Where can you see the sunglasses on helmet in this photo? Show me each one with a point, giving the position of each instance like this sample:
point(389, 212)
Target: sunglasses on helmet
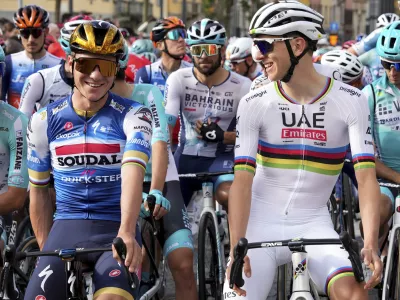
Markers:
point(35, 32)
point(387, 65)
point(266, 45)
point(175, 34)
point(209, 49)
point(87, 65)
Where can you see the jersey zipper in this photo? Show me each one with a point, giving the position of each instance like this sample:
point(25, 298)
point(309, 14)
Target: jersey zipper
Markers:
point(301, 169)
point(86, 168)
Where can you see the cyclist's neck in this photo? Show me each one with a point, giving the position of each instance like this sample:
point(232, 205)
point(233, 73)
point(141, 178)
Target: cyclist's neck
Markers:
point(305, 84)
point(37, 55)
point(218, 77)
point(169, 64)
point(81, 103)
point(123, 89)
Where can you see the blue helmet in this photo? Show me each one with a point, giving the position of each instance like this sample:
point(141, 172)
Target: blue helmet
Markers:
point(388, 45)
point(123, 62)
point(142, 46)
point(206, 31)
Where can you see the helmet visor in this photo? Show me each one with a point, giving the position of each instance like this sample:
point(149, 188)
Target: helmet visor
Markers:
point(86, 65)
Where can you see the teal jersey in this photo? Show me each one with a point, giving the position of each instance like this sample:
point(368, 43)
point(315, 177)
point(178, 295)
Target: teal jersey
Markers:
point(385, 120)
point(150, 96)
point(372, 61)
point(13, 148)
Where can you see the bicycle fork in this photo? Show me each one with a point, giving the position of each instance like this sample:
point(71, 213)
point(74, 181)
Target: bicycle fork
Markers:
point(209, 207)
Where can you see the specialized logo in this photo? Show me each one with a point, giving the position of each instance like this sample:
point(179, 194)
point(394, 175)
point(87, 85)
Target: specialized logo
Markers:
point(96, 125)
point(299, 133)
point(20, 145)
point(114, 273)
point(350, 91)
point(71, 282)
point(46, 273)
point(68, 126)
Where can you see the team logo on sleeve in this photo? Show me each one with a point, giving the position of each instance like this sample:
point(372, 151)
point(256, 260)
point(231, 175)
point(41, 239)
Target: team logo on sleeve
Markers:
point(144, 114)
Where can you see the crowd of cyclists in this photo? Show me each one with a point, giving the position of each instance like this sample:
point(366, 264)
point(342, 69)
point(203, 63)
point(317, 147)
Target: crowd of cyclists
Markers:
point(94, 120)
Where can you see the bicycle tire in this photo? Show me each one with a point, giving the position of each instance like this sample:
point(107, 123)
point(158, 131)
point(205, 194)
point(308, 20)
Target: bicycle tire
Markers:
point(281, 284)
point(23, 226)
point(334, 213)
point(395, 276)
point(208, 231)
point(28, 245)
point(348, 205)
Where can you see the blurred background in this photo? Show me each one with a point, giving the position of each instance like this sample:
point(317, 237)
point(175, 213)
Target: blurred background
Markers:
point(343, 18)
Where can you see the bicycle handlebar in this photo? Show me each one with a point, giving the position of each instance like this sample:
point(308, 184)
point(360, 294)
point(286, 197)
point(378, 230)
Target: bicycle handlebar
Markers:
point(151, 202)
point(240, 251)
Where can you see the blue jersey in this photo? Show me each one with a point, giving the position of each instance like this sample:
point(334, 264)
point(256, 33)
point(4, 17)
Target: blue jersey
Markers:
point(18, 67)
point(86, 154)
point(369, 42)
point(154, 74)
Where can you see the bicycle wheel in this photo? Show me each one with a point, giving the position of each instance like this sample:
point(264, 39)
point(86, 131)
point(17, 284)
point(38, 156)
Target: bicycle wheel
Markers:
point(334, 213)
point(284, 282)
point(394, 283)
point(348, 210)
point(26, 266)
point(24, 230)
point(208, 263)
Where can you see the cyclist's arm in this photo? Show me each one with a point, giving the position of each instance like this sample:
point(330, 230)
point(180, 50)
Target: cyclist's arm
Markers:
point(248, 125)
point(136, 156)
point(142, 76)
point(229, 137)
point(159, 141)
point(41, 206)
point(32, 92)
point(172, 98)
point(5, 83)
point(384, 172)
point(363, 159)
point(15, 196)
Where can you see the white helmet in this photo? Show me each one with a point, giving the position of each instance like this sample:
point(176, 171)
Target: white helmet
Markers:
point(323, 42)
point(386, 19)
point(348, 64)
point(283, 17)
point(240, 48)
point(66, 32)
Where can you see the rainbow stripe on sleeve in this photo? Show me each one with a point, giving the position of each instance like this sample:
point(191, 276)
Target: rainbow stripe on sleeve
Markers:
point(363, 161)
point(245, 163)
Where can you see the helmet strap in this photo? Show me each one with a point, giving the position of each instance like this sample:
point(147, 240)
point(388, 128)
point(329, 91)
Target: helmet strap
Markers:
point(176, 57)
point(293, 60)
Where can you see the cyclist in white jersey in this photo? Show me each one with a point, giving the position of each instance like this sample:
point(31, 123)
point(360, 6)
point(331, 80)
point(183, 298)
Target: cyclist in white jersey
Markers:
point(369, 42)
point(240, 58)
point(206, 99)
point(295, 144)
point(49, 85)
point(162, 181)
point(32, 22)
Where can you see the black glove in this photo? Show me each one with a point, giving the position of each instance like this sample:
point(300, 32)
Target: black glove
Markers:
point(212, 132)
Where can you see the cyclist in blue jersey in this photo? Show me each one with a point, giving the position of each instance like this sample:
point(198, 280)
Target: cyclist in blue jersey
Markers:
point(97, 145)
point(13, 163)
point(206, 99)
point(32, 22)
point(161, 180)
point(383, 95)
point(168, 35)
point(240, 58)
point(369, 42)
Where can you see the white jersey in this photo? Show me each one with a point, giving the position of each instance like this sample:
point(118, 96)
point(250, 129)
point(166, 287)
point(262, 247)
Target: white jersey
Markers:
point(192, 101)
point(44, 87)
point(327, 71)
point(297, 152)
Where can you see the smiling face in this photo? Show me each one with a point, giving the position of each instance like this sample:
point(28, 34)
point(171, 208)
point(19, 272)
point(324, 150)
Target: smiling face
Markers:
point(93, 86)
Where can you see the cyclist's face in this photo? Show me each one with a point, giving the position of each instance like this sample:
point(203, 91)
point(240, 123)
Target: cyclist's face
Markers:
point(89, 81)
point(393, 76)
point(207, 65)
point(177, 47)
point(240, 65)
point(32, 44)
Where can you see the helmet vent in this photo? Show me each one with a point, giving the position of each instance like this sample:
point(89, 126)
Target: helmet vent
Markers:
point(392, 42)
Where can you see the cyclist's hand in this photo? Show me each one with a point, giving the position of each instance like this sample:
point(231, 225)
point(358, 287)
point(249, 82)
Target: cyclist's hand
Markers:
point(163, 206)
point(373, 262)
point(246, 271)
point(209, 132)
point(144, 210)
point(133, 259)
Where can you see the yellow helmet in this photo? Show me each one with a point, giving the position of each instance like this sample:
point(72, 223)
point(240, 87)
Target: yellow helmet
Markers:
point(97, 37)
